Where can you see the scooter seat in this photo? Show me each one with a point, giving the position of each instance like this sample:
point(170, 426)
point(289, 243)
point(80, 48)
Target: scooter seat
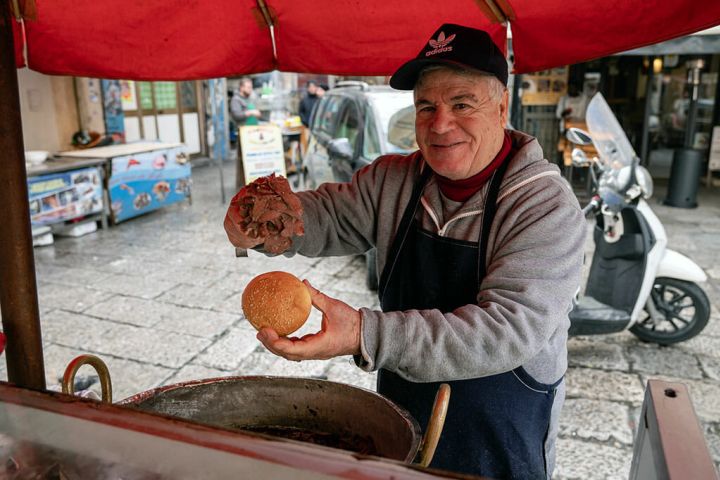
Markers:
point(590, 317)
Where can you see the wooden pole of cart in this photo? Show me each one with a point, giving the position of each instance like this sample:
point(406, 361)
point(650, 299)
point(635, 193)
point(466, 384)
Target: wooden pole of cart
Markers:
point(18, 290)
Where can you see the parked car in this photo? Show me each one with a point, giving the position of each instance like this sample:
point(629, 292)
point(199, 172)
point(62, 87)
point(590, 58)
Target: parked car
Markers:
point(349, 129)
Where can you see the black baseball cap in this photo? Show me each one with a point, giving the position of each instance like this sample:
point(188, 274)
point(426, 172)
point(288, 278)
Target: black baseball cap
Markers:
point(457, 45)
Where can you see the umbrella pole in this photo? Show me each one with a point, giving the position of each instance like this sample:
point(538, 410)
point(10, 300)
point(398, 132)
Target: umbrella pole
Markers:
point(18, 290)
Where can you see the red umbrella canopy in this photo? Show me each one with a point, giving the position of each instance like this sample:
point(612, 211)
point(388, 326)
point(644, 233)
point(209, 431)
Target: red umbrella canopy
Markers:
point(186, 39)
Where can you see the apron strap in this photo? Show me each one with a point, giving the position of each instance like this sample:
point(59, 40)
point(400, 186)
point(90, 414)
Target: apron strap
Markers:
point(404, 227)
point(489, 216)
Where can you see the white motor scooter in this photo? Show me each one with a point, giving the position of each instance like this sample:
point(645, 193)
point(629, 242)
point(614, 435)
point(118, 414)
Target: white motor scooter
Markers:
point(635, 282)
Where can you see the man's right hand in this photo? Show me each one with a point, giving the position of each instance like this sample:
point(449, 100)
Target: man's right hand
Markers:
point(264, 212)
point(233, 221)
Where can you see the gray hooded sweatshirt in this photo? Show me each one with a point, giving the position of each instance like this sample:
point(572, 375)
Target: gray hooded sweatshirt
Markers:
point(535, 252)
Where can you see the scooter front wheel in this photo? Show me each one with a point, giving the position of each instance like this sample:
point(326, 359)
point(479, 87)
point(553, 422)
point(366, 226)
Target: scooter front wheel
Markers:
point(684, 310)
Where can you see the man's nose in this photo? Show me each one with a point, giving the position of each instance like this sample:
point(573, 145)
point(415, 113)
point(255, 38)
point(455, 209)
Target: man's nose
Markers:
point(442, 121)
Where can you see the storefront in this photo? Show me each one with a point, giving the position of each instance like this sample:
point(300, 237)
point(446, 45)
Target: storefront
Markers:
point(165, 111)
point(657, 123)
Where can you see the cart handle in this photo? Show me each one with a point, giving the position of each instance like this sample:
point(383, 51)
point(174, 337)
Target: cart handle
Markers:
point(68, 381)
point(435, 426)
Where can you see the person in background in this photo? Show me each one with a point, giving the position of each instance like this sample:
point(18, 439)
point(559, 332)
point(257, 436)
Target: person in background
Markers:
point(308, 118)
point(308, 102)
point(243, 108)
point(571, 107)
point(480, 244)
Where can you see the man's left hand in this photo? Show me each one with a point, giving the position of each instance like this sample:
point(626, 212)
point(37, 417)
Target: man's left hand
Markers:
point(339, 335)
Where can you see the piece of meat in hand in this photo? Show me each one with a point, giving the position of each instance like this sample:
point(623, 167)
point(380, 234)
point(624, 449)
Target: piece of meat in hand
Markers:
point(269, 211)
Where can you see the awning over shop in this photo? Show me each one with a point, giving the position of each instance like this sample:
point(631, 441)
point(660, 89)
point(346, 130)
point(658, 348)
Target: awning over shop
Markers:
point(177, 39)
point(690, 45)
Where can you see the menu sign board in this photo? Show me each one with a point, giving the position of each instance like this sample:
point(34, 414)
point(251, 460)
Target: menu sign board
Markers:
point(262, 151)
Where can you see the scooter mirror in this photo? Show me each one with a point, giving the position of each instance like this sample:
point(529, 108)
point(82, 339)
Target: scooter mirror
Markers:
point(578, 136)
point(579, 158)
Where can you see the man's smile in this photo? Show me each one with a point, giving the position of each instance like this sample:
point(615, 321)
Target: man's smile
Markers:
point(446, 144)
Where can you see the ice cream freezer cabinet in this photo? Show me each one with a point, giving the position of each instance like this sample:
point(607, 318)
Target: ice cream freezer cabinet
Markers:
point(143, 176)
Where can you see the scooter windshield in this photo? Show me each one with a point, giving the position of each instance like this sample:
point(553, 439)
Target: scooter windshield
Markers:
point(609, 138)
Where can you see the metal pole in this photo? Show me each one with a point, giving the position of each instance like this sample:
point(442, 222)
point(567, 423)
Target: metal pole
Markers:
point(515, 108)
point(694, 68)
point(644, 154)
point(18, 290)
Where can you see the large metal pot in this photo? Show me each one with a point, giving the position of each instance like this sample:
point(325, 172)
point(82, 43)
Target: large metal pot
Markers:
point(265, 404)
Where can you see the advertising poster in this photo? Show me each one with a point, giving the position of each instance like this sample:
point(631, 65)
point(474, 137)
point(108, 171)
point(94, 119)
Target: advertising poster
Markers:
point(58, 197)
point(112, 105)
point(262, 151)
point(127, 95)
point(147, 181)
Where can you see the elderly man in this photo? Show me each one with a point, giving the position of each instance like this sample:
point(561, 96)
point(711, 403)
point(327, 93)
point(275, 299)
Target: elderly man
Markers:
point(480, 244)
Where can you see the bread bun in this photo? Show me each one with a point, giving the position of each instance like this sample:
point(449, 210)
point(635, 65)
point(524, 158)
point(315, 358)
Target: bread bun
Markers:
point(278, 300)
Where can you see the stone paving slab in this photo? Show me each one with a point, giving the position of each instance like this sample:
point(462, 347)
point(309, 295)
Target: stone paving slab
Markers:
point(82, 259)
point(710, 366)
point(195, 296)
point(586, 352)
point(163, 316)
point(134, 265)
point(713, 326)
point(135, 311)
point(135, 285)
point(703, 345)
point(712, 435)
point(604, 385)
point(228, 351)
point(69, 297)
point(579, 460)
point(332, 265)
point(264, 363)
point(656, 360)
point(196, 322)
point(231, 305)
point(597, 420)
point(148, 345)
point(73, 329)
point(237, 281)
point(82, 277)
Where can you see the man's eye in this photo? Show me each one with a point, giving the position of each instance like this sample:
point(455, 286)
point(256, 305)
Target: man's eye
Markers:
point(427, 109)
point(461, 106)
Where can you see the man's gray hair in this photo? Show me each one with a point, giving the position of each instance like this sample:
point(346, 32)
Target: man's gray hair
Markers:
point(495, 86)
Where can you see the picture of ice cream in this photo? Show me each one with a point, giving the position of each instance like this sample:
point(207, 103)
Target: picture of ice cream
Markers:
point(142, 200)
point(161, 190)
point(159, 162)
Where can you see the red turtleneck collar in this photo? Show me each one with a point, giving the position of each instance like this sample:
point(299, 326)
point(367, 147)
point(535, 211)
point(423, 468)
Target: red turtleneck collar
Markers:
point(461, 190)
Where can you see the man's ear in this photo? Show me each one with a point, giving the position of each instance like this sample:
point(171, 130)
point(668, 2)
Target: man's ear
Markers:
point(504, 107)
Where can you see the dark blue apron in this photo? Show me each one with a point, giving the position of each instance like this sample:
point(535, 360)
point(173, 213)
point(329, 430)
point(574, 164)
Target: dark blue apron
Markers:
point(496, 426)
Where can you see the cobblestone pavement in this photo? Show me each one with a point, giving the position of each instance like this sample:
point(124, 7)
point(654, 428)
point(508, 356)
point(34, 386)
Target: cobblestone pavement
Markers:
point(158, 298)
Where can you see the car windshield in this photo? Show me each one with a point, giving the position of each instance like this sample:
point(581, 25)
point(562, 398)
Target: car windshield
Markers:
point(386, 104)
